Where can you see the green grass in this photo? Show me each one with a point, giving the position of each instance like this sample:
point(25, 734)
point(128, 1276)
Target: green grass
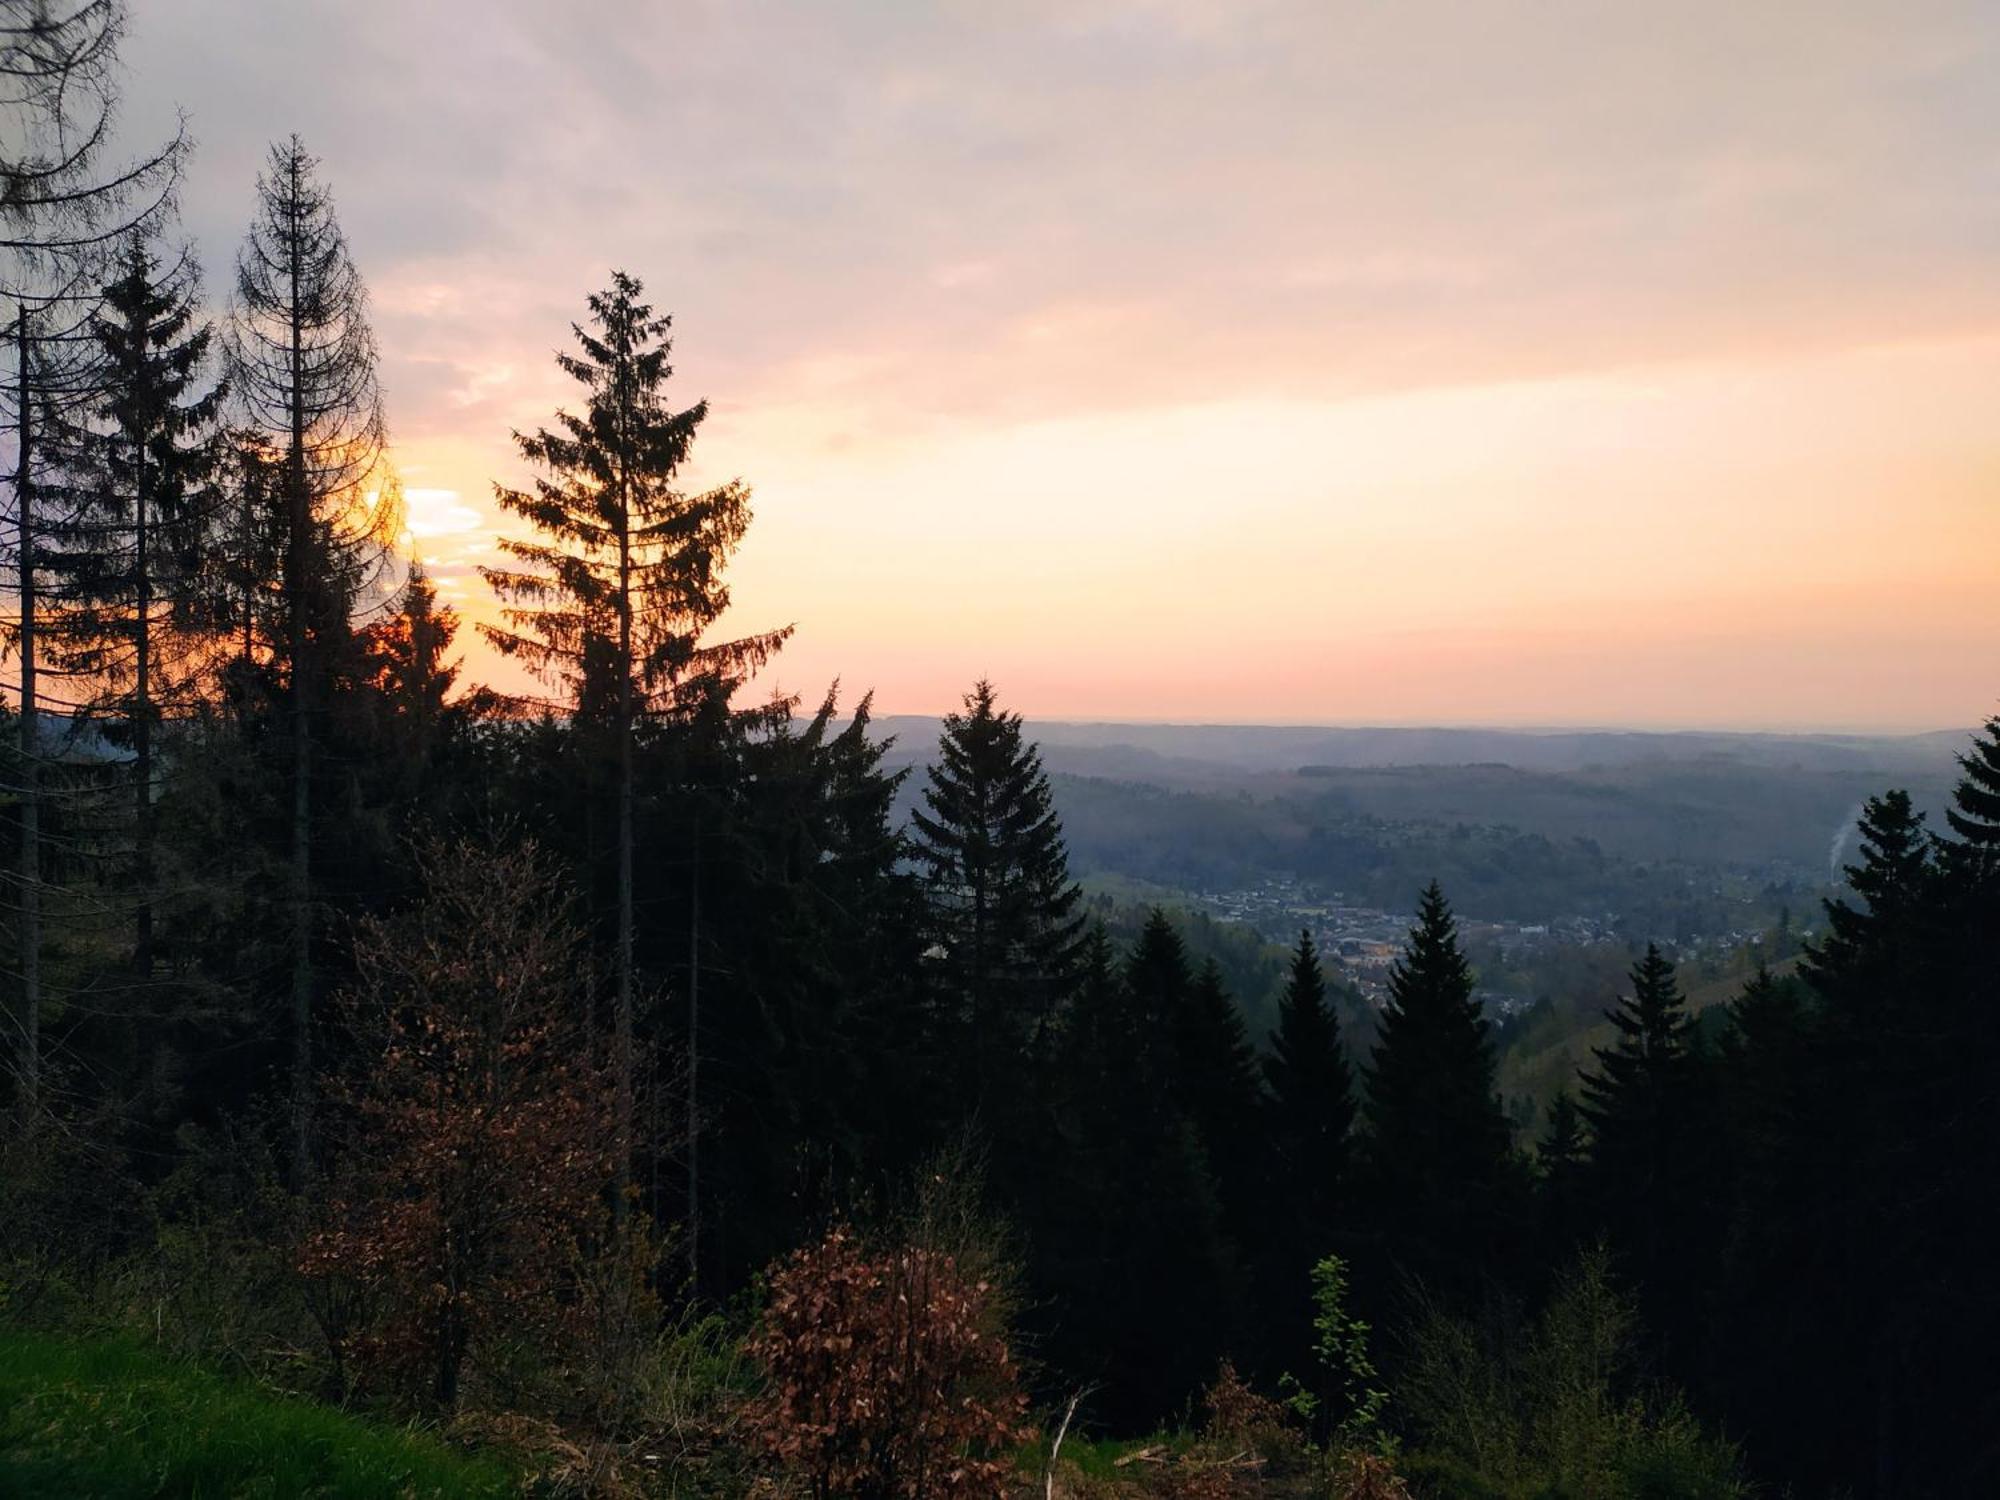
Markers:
point(113, 1421)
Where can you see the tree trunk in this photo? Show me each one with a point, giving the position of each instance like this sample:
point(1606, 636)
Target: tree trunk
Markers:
point(31, 769)
point(142, 721)
point(694, 1068)
point(298, 545)
point(622, 1022)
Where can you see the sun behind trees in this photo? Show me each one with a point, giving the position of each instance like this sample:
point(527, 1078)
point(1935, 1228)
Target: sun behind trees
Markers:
point(272, 851)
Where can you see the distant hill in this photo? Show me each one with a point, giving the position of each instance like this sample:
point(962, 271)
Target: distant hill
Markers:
point(1172, 753)
point(1673, 831)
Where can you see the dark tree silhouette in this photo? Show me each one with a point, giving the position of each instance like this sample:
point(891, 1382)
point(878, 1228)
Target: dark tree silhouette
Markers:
point(1643, 1108)
point(302, 364)
point(1005, 907)
point(612, 606)
point(137, 557)
point(65, 205)
point(1437, 1143)
point(1311, 1103)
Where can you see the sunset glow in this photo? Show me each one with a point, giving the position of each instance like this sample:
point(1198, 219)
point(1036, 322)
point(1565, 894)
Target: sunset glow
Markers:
point(1346, 363)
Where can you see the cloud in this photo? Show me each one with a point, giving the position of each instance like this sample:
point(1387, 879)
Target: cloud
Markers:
point(881, 228)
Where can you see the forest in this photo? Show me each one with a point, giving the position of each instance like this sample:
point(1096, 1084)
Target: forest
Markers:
point(644, 1085)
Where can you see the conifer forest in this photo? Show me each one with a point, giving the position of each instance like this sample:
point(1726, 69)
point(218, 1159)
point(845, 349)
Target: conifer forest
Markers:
point(511, 1048)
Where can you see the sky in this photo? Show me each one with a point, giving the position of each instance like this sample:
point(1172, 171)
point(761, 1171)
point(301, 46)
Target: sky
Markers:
point(1334, 362)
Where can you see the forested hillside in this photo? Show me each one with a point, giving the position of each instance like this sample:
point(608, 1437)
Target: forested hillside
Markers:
point(661, 1087)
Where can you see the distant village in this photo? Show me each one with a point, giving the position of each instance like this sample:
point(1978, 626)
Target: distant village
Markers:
point(1361, 943)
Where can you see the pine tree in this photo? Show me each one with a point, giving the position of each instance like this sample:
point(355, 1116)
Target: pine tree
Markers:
point(1309, 1115)
point(1898, 1143)
point(1158, 977)
point(1129, 1252)
point(1311, 1102)
point(1974, 815)
point(302, 365)
point(137, 558)
point(1643, 1107)
point(63, 205)
point(613, 605)
point(1438, 1141)
point(1001, 894)
point(1216, 1089)
point(409, 675)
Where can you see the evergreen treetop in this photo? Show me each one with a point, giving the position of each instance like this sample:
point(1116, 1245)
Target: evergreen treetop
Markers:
point(989, 838)
point(1432, 1112)
point(1974, 814)
point(1647, 1061)
point(1310, 1082)
point(612, 602)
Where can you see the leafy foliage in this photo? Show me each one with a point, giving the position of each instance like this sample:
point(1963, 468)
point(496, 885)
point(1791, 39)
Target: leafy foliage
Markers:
point(472, 1187)
point(886, 1376)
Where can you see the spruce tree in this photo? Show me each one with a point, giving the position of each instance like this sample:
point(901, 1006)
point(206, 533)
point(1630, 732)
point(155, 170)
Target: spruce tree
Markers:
point(1311, 1110)
point(1216, 1088)
point(1129, 1250)
point(1438, 1141)
point(302, 367)
point(612, 603)
point(138, 557)
point(1158, 977)
point(1974, 814)
point(1848, 1286)
point(409, 675)
point(1309, 1121)
point(1646, 1108)
point(1004, 905)
point(65, 205)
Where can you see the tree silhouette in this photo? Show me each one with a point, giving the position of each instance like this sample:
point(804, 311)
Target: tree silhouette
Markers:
point(302, 365)
point(612, 606)
point(1005, 907)
point(1437, 1140)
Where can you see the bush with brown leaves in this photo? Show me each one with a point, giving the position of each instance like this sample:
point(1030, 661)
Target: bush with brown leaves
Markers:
point(468, 1209)
point(887, 1376)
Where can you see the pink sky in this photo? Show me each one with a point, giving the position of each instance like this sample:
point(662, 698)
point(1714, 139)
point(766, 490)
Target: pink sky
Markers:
point(1537, 363)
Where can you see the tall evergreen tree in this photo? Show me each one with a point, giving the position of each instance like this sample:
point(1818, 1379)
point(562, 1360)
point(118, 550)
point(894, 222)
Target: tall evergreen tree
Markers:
point(1974, 814)
point(1005, 907)
point(1309, 1170)
point(137, 557)
point(1867, 1149)
point(1438, 1142)
point(612, 605)
point(1216, 1088)
point(1642, 1107)
point(817, 1083)
point(1128, 1248)
point(64, 204)
point(1312, 1106)
point(302, 365)
point(409, 674)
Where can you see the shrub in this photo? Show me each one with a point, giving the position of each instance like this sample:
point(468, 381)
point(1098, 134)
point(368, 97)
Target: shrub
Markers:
point(1349, 1401)
point(1241, 1417)
point(466, 1219)
point(886, 1376)
point(1554, 1408)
